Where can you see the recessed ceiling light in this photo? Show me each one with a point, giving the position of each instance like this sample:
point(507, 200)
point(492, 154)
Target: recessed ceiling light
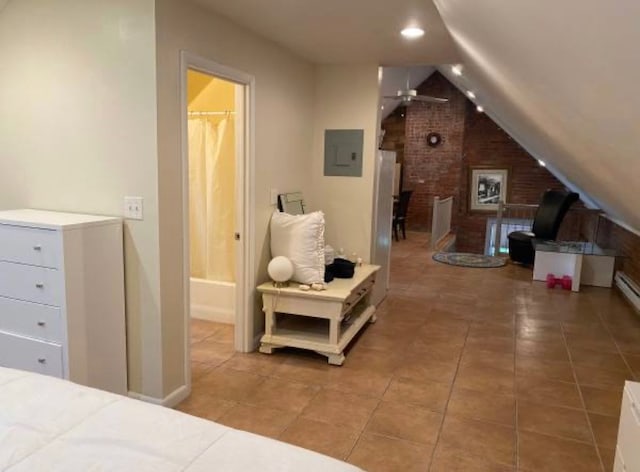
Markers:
point(412, 32)
point(457, 69)
point(480, 108)
point(542, 164)
point(471, 95)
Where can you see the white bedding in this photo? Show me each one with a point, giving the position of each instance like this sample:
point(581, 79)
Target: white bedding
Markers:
point(47, 424)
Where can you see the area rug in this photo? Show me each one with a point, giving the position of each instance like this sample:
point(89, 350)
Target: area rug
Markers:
point(464, 259)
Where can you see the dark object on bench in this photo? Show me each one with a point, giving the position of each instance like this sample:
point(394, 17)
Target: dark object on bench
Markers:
point(551, 212)
point(400, 214)
point(341, 269)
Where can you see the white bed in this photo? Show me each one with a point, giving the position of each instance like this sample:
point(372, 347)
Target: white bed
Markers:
point(47, 424)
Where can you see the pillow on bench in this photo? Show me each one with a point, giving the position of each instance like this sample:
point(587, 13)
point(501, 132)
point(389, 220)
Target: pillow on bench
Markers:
point(301, 239)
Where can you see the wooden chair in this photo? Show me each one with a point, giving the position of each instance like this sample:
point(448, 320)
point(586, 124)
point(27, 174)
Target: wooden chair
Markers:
point(400, 214)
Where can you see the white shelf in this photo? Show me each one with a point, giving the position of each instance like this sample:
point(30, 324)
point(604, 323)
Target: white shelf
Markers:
point(324, 322)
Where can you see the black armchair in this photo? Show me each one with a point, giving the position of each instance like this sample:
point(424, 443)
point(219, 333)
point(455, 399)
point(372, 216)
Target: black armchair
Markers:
point(546, 224)
point(400, 214)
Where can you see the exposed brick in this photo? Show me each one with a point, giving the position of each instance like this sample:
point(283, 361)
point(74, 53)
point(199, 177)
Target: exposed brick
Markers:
point(472, 139)
point(607, 234)
point(469, 139)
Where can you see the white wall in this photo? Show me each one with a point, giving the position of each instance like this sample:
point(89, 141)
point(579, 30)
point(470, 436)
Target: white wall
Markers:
point(283, 135)
point(78, 111)
point(346, 97)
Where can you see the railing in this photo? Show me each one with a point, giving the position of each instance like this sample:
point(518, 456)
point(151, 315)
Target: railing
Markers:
point(441, 221)
point(519, 217)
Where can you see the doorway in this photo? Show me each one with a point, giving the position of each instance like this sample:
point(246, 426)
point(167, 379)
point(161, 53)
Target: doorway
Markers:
point(217, 156)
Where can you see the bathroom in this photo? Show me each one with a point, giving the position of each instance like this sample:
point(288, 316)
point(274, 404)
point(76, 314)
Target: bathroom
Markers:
point(214, 113)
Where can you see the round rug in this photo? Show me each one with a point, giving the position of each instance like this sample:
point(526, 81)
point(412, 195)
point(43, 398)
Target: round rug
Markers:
point(464, 259)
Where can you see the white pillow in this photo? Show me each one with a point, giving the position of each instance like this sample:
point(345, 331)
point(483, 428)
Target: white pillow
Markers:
point(301, 239)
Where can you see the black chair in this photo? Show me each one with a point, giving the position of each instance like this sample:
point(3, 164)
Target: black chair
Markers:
point(546, 224)
point(400, 213)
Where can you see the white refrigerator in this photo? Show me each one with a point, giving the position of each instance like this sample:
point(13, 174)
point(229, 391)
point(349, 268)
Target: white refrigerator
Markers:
point(382, 220)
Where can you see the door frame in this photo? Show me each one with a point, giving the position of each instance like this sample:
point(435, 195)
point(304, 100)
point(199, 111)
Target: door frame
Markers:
point(245, 205)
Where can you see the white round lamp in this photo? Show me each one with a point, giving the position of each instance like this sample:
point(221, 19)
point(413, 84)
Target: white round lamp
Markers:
point(280, 270)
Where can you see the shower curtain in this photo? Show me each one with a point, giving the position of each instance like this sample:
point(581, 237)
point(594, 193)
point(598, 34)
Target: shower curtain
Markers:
point(212, 199)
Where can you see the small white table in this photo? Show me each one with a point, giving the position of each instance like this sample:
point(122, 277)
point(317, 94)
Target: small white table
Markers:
point(586, 263)
point(321, 321)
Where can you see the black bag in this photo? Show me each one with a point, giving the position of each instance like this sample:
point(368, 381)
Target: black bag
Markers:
point(341, 269)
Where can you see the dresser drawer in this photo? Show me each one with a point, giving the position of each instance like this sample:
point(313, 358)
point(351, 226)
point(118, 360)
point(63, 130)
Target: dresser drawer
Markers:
point(629, 432)
point(32, 246)
point(30, 283)
point(18, 352)
point(358, 292)
point(31, 319)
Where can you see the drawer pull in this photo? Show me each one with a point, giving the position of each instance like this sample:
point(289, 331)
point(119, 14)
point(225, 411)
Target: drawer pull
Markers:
point(42, 360)
point(37, 247)
point(41, 323)
point(39, 285)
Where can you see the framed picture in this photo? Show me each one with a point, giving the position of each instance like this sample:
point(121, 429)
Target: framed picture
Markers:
point(488, 187)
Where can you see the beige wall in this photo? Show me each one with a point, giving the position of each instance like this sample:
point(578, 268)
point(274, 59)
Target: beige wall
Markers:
point(80, 130)
point(346, 97)
point(78, 114)
point(284, 104)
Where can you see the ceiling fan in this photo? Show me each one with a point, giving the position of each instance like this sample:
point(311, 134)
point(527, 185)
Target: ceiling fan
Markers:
point(409, 95)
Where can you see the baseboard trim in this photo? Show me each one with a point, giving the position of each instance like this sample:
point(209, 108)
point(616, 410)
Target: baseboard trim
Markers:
point(171, 400)
point(216, 314)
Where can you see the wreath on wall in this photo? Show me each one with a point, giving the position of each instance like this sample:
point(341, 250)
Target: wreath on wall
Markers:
point(434, 139)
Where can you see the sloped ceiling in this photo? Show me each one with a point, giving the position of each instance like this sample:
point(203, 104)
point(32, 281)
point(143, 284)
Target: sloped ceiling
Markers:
point(563, 79)
point(395, 78)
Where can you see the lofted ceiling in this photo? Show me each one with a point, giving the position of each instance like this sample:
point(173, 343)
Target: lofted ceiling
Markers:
point(561, 79)
point(395, 78)
point(353, 31)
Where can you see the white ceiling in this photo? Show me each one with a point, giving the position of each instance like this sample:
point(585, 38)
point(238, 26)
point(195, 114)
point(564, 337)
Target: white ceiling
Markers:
point(351, 31)
point(563, 81)
point(3, 3)
point(395, 78)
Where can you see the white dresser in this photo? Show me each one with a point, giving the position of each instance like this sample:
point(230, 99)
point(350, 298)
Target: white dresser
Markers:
point(628, 447)
point(62, 297)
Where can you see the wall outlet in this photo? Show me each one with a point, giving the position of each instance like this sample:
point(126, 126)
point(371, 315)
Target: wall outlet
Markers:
point(133, 208)
point(273, 196)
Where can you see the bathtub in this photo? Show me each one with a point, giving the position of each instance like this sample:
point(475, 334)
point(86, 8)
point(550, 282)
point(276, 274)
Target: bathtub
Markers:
point(213, 301)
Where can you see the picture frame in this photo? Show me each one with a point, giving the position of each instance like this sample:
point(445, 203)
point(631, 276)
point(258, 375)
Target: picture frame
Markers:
point(487, 187)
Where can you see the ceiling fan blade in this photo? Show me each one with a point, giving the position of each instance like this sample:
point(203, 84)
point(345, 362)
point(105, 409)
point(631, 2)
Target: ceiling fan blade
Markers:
point(426, 98)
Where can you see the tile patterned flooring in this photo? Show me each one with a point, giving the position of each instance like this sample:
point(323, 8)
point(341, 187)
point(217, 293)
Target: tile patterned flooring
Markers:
point(465, 370)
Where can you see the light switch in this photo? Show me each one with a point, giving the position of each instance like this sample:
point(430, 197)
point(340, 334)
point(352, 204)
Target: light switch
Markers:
point(133, 208)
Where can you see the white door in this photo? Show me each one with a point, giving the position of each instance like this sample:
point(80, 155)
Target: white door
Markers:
point(383, 215)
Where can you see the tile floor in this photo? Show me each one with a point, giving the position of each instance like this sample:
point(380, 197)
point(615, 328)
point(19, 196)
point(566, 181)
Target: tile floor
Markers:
point(465, 370)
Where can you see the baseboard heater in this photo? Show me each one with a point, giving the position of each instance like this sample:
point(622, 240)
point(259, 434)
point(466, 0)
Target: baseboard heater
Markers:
point(629, 288)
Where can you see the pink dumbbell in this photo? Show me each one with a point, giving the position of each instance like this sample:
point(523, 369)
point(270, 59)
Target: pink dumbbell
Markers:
point(565, 282)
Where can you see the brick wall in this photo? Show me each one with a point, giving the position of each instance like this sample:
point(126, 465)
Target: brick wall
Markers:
point(394, 127)
point(607, 234)
point(469, 139)
point(433, 171)
point(487, 145)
